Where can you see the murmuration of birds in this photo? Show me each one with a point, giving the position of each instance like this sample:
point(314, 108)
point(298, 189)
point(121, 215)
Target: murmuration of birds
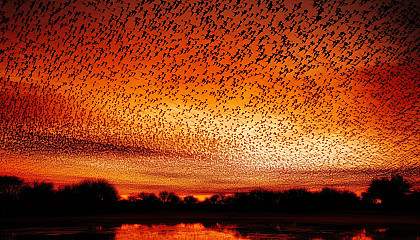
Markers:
point(250, 88)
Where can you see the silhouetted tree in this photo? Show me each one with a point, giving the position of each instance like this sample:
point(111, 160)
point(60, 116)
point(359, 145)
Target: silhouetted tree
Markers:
point(216, 199)
point(89, 195)
point(170, 200)
point(164, 196)
point(296, 200)
point(10, 186)
point(173, 198)
point(41, 191)
point(190, 200)
point(149, 201)
point(330, 198)
point(265, 199)
point(37, 197)
point(239, 199)
point(99, 196)
point(148, 197)
point(96, 191)
point(391, 192)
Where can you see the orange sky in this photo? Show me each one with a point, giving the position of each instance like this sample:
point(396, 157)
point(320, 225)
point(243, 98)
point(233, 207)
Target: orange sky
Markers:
point(205, 97)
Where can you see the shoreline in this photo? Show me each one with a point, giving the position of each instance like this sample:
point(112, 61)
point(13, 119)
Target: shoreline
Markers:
point(170, 218)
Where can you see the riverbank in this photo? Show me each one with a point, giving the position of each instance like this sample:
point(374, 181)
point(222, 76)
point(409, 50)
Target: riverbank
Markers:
point(175, 217)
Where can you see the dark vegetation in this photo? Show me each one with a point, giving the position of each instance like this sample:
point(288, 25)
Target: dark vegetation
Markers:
point(96, 197)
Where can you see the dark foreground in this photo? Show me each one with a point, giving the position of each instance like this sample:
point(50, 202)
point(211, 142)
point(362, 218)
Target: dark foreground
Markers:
point(204, 225)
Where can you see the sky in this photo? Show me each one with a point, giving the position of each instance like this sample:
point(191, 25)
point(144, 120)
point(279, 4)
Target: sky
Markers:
point(205, 97)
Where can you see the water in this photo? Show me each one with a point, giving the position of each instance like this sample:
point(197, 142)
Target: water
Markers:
point(200, 231)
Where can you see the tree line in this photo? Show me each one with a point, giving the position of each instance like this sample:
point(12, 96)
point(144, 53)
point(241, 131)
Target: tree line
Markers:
point(99, 196)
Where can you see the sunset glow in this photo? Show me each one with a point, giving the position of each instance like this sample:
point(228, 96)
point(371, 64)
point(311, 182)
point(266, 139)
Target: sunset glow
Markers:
point(206, 97)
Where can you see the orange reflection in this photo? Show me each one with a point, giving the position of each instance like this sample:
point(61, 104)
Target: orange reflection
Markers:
point(361, 236)
point(179, 231)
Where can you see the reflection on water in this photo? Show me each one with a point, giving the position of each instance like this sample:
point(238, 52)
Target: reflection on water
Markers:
point(361, 236)
point(250, 230)
point(179, 231)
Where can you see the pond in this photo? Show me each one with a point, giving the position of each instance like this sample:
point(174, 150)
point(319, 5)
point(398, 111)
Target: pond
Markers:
point(181, 231)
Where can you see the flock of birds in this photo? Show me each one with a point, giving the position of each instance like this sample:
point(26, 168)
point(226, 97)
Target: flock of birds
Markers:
point(256, 88)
